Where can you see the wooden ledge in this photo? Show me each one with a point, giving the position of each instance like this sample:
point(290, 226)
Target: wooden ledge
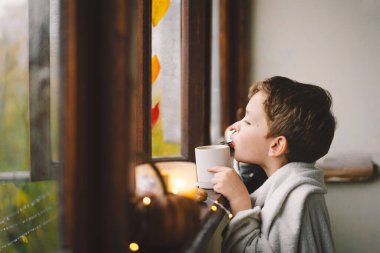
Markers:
point(346, 167)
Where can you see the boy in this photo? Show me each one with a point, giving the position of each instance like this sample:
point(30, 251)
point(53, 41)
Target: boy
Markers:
point(287, 127)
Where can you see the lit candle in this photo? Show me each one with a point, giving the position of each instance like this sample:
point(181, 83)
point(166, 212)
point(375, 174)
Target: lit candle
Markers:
point(179, 178)
point(180, 186)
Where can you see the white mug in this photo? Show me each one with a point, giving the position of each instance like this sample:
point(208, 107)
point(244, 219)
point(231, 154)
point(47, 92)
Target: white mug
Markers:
point(209, 156)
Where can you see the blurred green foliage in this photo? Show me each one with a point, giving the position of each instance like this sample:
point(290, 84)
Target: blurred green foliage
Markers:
point(18, 203)
point(14, 119)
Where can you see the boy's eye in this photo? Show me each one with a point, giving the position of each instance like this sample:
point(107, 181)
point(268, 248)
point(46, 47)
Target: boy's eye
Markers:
point(246, 122)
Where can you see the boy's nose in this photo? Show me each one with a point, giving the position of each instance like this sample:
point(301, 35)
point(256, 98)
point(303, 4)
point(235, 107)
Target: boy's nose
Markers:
point(237, 126)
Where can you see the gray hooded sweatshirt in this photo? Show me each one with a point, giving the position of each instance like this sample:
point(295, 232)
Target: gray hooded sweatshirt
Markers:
point(289, 214)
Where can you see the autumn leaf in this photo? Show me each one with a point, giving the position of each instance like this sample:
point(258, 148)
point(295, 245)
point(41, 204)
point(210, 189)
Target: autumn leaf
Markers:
point(159, 9)
point(155, 114)
point(156, 67)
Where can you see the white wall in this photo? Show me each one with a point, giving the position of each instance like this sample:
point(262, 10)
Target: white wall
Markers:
point(335, 44)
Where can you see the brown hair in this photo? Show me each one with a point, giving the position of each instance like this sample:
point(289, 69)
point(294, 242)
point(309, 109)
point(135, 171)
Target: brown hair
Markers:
point(300, 112)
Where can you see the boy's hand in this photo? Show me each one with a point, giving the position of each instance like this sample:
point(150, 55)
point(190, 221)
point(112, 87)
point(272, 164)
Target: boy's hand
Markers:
point(228, 183)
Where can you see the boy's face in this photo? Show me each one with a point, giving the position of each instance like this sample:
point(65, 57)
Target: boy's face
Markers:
point(250, 141)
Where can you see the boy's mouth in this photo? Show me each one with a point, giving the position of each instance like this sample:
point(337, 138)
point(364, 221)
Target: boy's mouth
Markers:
point(230, 144)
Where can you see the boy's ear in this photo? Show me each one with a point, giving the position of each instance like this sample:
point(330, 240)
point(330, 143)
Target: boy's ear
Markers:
point(278, 147)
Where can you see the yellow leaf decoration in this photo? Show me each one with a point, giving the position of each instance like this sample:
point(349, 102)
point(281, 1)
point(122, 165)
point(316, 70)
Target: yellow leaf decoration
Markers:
point(159, 8)
point(156, 67)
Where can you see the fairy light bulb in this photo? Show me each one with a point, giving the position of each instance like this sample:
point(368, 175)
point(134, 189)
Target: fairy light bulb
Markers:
point(214, 208)
point(133, 246)
point(24, 239)
point(146, 201)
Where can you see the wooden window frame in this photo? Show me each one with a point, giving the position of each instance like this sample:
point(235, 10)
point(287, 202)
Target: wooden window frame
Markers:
point(143, 102)
point(98, 61)
point(41, 165)
point(196, 75)
point(39, 91)
point(235, 59)
point(195, 78)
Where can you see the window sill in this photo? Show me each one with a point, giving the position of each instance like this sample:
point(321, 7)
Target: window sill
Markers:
point(13, 176)
point(347, 168)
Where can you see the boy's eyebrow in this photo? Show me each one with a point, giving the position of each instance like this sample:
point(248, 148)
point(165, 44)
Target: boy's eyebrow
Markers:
point(246, 111)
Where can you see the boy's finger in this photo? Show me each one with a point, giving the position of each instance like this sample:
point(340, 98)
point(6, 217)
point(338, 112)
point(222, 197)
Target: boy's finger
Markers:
point(216, 169)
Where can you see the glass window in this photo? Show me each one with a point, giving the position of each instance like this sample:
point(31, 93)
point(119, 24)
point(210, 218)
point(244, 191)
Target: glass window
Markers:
point(166, 78)
point(216, 133)
point(14, 75)
point(28, 210)
point(54, 89)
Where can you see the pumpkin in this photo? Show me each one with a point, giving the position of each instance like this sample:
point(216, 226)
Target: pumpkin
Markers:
point(163, 221)
point(166, 221)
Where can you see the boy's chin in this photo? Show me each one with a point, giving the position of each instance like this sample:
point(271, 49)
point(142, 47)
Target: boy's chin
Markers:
point(240, 159)
point(243, 159)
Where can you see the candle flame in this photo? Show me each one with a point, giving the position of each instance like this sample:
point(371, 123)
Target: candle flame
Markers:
point(179, 184)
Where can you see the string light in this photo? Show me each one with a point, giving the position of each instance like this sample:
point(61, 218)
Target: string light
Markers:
point(23, 238)
point(230, 216)
point(133, 246)
point(31, 204)
point(146, 201)
point(30, 218)
point(215, 206)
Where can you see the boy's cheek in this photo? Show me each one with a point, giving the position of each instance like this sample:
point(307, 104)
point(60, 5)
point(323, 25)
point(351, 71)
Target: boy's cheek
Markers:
point(238, 156)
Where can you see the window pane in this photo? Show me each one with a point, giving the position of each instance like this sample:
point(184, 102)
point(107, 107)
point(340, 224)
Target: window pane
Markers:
point(216, 133)
point(54, 90)
point(14, 108)
point(166, 78)
point(28, 210)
